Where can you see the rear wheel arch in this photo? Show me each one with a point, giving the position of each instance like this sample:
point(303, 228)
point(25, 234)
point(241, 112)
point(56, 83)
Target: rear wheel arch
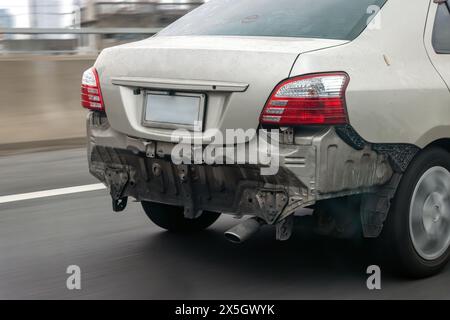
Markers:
point(376, 207)
point(395, 238)
point(443, 143)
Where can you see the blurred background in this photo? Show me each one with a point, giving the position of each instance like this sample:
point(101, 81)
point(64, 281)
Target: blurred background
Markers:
point(45, 45)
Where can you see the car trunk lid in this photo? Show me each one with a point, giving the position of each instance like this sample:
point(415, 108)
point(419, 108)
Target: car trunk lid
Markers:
point(235, 74)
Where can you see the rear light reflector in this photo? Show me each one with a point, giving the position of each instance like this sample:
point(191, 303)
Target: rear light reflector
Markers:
point(91, 94)
point(317, 99)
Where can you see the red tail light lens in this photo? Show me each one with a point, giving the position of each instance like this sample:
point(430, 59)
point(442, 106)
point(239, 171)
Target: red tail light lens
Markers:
point(317, 99)
point(91, 94)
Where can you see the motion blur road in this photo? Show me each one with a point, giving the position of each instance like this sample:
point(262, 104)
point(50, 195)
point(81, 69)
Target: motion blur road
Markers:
point(125, 256)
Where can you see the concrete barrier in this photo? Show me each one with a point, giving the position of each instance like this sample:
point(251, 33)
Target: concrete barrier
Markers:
point(40, 100)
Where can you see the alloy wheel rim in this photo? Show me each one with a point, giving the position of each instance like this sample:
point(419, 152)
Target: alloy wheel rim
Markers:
point(429, 214)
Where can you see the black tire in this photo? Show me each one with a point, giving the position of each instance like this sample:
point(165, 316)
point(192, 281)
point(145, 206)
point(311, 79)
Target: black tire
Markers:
point(171, 218)
point(396, 238)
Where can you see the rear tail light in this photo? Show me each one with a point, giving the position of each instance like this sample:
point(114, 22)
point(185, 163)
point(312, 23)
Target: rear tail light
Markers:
point(317, 99)
point(91, 94)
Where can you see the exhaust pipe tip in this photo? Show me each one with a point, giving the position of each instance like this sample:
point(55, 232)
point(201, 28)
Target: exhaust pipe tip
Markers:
point(244, 231)
point(233, 237)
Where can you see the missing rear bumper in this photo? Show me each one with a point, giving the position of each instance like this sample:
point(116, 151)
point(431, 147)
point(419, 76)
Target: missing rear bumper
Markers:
point(314, 165)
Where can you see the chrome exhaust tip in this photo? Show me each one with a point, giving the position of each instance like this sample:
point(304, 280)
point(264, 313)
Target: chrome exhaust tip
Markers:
point(244, 231)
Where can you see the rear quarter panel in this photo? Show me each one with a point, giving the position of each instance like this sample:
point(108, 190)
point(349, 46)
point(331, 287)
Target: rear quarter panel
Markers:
point(395, 94)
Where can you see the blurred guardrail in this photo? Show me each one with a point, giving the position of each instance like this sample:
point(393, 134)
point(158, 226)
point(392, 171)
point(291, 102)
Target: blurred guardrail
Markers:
point(40, 93)
point(127, 7)
point(145, 31)
point(41, 69)
point(70, 45)
point(40, 100)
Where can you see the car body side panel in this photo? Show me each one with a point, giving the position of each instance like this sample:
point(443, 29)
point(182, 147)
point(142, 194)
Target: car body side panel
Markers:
point(395, 94)
point(442, 64)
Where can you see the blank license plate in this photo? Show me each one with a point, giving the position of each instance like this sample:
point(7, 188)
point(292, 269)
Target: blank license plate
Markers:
point(183, 110)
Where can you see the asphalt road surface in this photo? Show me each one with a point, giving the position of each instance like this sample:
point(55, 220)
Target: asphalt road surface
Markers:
point(124, 256)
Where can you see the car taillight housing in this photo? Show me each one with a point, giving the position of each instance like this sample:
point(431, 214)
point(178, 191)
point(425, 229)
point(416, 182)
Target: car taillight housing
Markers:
point(317, 99)
point(91, 94)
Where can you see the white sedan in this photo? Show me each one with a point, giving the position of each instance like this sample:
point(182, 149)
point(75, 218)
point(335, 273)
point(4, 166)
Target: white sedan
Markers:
point(260, 108)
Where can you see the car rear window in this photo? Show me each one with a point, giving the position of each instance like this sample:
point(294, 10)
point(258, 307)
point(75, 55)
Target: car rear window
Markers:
point(328, 19)
point(441, 32)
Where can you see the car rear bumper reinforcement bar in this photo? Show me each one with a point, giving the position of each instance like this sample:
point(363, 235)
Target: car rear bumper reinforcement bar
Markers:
point(315, 165)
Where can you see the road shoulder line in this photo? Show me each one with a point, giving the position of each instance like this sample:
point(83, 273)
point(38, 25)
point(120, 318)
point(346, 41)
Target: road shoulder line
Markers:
point(51, 193)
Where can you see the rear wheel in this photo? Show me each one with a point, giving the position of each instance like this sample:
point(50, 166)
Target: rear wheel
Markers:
point(417, 232)
point(172, 218)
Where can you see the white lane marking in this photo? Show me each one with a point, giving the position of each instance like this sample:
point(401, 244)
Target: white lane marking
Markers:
point(51, 193)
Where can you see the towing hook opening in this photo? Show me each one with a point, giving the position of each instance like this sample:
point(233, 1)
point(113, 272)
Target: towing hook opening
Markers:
point(244, 231)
